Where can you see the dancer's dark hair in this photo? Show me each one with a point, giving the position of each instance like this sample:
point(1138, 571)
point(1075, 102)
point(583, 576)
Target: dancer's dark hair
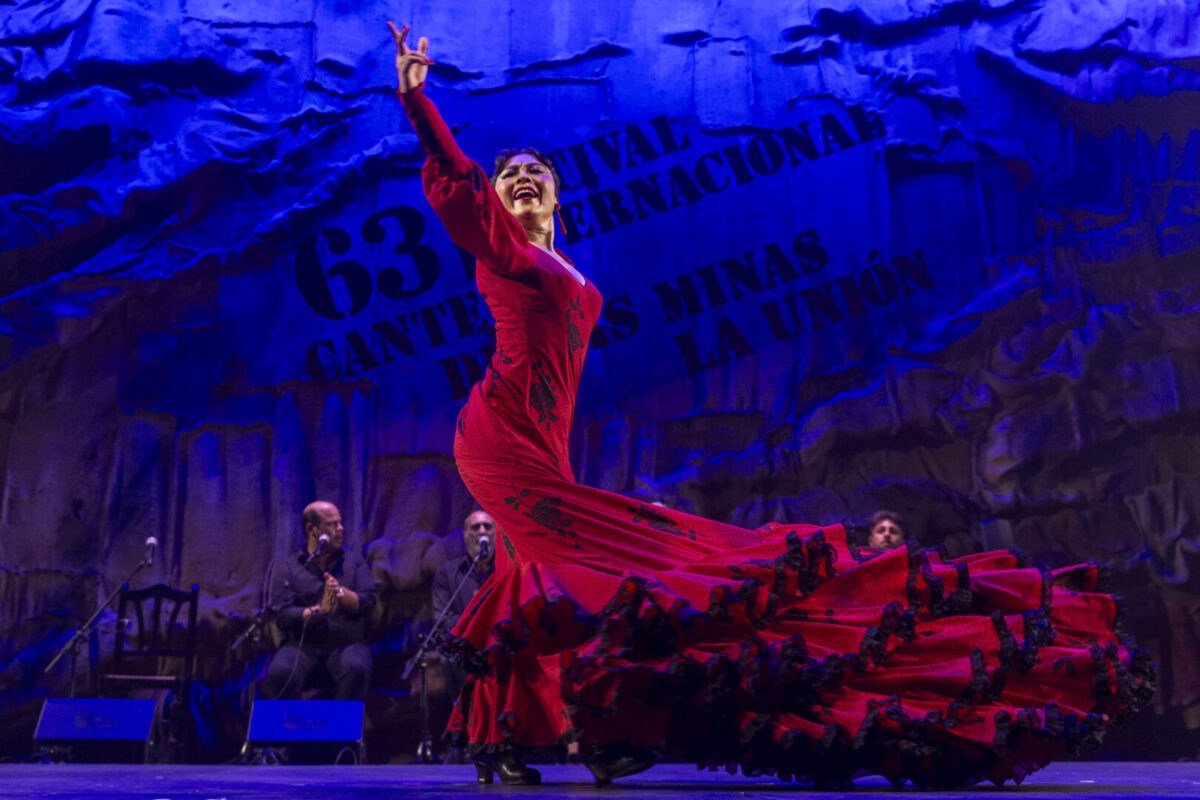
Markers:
point(546, 161)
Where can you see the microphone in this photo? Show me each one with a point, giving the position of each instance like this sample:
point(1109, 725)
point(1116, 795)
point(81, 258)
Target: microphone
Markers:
point(322, 546)
point(151, 543)
point(485, 546)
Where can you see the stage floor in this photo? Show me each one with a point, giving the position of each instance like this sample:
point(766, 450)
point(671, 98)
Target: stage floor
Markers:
point(92, 781)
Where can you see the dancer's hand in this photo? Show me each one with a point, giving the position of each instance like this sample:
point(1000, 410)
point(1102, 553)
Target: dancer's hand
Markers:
point(411, 65)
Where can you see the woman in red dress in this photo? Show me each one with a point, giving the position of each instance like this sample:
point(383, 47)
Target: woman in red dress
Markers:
point(633, 630)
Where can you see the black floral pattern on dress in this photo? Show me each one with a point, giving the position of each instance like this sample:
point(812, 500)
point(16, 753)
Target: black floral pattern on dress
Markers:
point(647, 514)
point(574, 337)
point(508, 546)
point(493, 376)
point(478, 181)
point(517, 496)
point(542, 396)
point(547, 514)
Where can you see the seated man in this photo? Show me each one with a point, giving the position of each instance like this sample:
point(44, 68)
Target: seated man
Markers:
point(449, 573)
point(325, 596)
point(886, 530)
point(477, 525)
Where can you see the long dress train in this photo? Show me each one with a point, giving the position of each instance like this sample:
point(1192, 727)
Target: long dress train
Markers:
point(783, 650)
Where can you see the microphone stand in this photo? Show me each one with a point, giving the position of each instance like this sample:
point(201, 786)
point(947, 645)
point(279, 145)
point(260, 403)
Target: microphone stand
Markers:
point(83, 632)
point(255, 630)
point(425, 748)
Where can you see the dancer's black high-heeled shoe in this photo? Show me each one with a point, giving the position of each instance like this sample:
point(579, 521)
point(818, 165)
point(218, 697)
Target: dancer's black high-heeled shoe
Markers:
point(508, 766)
point(614, 760)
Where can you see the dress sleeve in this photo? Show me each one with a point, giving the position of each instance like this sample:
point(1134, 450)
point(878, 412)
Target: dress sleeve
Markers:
point(460, 193)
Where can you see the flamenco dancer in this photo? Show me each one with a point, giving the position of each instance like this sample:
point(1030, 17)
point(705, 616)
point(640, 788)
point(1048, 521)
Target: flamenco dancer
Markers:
point(635, 630)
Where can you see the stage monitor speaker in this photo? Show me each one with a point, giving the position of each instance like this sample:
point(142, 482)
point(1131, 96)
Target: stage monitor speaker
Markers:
point(98, 731)
point(306, 731)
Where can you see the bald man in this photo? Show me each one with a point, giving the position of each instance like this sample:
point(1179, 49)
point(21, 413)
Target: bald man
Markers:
point(325, 595)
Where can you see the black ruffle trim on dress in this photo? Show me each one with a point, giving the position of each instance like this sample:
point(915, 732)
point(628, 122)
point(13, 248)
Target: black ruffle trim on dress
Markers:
point(703, 697)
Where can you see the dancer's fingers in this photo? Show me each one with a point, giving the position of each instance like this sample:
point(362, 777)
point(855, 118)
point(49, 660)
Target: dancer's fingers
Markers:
point(413, 57)
point(423, 45)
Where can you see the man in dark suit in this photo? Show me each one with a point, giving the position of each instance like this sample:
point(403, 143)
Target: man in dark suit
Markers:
point(325, 596)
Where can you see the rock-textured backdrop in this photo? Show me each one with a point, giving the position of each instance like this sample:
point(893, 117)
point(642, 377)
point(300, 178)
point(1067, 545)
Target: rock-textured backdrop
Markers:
point(939, 257)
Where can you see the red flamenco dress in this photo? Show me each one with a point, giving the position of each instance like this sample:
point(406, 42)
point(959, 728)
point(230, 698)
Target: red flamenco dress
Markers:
point(783, 650)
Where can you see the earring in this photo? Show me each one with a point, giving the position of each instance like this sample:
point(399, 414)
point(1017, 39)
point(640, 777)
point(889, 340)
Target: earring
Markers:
point(558, 217)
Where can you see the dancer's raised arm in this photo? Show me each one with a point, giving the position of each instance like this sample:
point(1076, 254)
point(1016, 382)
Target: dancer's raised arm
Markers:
point(457, 187)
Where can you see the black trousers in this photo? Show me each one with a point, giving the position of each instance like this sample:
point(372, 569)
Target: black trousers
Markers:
point(293, 670)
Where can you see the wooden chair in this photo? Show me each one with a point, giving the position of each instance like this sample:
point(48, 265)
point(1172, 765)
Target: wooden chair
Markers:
point(156, 649)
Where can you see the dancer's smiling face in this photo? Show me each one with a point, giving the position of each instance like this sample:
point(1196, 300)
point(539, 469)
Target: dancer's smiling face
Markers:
point(527, 189)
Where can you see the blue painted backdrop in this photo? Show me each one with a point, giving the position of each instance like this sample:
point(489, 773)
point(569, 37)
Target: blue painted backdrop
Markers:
point(938, 257)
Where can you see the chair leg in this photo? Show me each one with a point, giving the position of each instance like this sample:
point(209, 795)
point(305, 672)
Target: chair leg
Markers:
point(174, 738)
